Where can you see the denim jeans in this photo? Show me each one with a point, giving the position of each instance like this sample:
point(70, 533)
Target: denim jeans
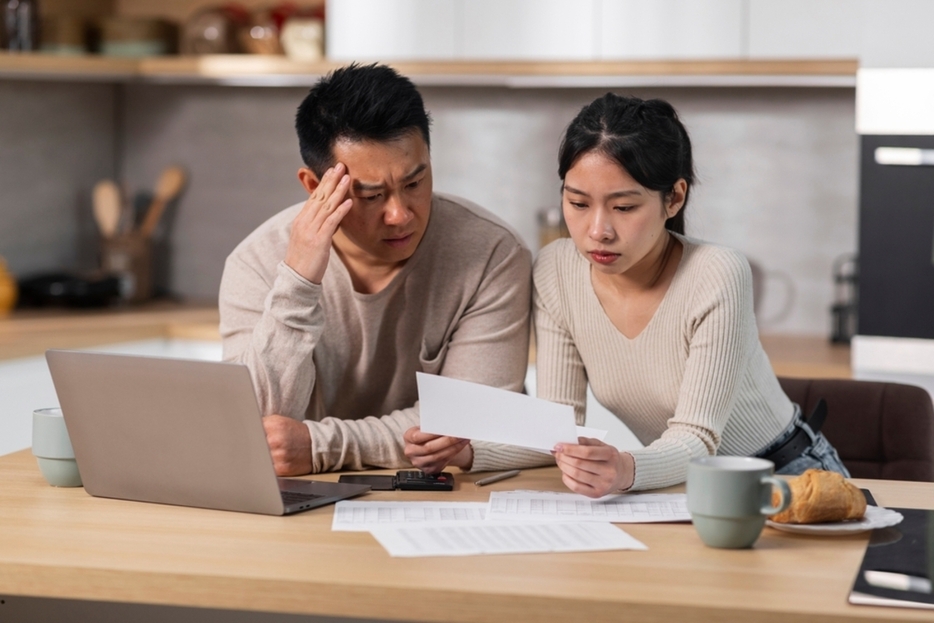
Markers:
point(819, 455)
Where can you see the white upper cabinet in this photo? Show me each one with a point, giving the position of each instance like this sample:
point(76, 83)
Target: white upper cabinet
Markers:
point(552, 30)
point(392, 30)
point(881, 33)
point(897, 33)
point(671, 29)
point(804, 29)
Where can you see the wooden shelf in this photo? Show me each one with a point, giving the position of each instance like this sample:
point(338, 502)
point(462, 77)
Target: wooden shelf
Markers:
point(273, 71)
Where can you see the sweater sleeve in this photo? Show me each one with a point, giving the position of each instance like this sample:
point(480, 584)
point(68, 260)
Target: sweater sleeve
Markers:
point(720, 334)
point(489, 344)
point(261, 322)
point(560, 373)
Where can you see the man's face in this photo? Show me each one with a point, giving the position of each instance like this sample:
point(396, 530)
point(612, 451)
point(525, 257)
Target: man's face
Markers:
point(390, 185)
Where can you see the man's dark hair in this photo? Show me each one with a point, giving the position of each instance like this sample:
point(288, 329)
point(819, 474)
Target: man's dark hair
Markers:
point(357, 103)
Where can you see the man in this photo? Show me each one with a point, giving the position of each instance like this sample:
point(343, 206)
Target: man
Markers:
point(334, 304)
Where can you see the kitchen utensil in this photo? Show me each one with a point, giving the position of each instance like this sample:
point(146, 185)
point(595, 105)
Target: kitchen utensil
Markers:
point(70, 290)
point(261, 35)
point(137, 36)
point(21, 25)
point(128, 257)
point(167, 188)
point(303, 39)
point(107, 207)
point(214, 30)
point(65, 35)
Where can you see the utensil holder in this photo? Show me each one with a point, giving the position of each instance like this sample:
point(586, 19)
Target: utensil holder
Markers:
point(130, 257)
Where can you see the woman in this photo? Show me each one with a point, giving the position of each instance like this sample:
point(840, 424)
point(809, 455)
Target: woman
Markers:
point(659, 324)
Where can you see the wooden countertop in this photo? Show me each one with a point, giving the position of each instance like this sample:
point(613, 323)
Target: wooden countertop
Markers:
point(29, 333)
point(807, 357)
point(63, 543)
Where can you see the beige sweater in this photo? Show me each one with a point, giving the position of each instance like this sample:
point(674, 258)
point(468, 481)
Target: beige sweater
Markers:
point(345, 362)
point(695, 382)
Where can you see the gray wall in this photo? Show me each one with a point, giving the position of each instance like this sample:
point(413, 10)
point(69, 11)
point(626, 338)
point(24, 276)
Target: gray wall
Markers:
point(56, 141)
point(778, 170)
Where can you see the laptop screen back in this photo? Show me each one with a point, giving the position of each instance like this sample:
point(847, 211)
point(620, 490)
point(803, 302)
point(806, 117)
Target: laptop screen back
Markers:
point(166, 430)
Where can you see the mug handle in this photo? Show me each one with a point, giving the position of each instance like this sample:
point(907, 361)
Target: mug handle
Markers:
point(783, 489)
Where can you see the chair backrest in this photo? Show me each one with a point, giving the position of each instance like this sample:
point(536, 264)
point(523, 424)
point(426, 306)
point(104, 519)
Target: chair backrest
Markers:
point(881, 430)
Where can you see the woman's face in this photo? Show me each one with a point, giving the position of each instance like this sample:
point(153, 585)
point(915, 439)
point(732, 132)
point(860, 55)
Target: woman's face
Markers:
point(615, 222)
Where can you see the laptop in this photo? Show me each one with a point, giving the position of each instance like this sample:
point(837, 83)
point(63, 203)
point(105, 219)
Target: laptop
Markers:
point(176, 431)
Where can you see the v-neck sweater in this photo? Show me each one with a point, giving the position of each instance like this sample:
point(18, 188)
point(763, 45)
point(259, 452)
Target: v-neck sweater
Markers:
point(694, 382)
point(345, 362)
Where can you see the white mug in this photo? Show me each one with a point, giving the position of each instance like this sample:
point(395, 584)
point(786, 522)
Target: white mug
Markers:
point(52, 448)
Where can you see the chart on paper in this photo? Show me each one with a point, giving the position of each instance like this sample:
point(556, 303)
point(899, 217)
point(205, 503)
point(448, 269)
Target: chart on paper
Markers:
point(623, 508)
point(492, 538)
point(355, 516)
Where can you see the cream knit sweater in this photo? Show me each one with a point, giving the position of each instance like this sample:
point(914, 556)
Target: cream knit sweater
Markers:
point(345, 362)
point(695, 382)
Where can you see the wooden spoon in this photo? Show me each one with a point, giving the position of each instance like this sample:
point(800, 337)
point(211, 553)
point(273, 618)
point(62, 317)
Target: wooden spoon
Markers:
point(107, 207)
point(169, 185)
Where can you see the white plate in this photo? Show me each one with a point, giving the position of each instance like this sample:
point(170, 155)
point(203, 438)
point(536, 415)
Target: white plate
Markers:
point(875, 517)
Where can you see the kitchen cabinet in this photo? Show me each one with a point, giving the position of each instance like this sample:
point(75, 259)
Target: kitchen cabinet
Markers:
point(377, 30)
point(529, 30)
point(671, 29)
point(897, 33)
point(804, 28)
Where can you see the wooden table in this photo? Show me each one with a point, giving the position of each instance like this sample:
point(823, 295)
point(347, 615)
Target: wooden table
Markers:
point(62, 543)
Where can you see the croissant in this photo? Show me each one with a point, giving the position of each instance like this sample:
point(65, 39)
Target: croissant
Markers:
point(820, 496)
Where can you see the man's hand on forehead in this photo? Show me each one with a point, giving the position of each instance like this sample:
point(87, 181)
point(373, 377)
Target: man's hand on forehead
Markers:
point(314, 227)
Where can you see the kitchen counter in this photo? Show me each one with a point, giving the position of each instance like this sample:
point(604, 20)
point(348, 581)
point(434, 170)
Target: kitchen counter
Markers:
point(807, 356)
point(31, 332)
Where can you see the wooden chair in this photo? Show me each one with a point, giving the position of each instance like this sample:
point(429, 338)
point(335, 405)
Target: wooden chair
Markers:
point(881, 430)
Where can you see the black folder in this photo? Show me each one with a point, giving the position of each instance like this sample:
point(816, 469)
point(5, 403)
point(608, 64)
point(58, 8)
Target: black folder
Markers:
point(904, 554)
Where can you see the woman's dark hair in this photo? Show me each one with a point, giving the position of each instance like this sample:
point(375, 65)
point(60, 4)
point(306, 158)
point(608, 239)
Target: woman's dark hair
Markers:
point(645, 137)
point(358, 103)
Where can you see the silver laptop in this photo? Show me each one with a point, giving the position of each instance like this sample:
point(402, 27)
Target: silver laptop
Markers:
point(175, 431)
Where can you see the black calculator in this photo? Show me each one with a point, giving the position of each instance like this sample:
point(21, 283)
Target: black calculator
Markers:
point(420, 481)
point(404, 480)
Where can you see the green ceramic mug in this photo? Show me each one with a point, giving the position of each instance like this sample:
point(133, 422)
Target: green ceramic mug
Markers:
point(729, 498)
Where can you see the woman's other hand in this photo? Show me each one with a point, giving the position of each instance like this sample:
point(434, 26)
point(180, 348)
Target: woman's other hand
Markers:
point(593, 468)
point(432, 453)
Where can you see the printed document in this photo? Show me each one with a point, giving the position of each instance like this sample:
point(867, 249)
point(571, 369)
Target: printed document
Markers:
point(351, 516)
point(518, 538)
point(620, 508)
point(473, 411)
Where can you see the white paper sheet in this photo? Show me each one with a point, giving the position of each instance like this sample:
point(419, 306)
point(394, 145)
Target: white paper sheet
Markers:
point(622, 508)
point(473, 411)
point(491, 538)
point(351, 516)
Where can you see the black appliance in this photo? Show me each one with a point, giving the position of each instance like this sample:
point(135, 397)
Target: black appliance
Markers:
point(896, 241)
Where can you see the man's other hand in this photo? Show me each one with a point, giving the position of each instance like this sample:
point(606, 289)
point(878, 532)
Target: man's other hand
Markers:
point(290, 445)
point(432, 453)
point(312, 230)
